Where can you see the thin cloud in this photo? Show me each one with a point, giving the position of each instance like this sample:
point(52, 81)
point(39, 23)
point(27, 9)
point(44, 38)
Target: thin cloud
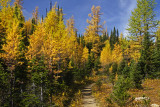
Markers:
point(123, 3)
point(125, 15)
point(27, 14)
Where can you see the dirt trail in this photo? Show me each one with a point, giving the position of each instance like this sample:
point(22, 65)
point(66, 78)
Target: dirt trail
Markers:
point(88, 99)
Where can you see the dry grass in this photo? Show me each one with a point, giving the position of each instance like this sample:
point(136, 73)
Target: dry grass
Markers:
point(151, 89)
point(102, 94)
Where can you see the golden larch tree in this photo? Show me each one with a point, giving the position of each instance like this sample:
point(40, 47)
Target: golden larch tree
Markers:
point(36, 41)
point(73, 45)
point(92, 31)
point(6, 13)
point(85, 55)
point(55, 44)
point(71, 33)
point(134, 50)
point(117, 54)
point(11, 48)
point(28, 27)
point(106, 55)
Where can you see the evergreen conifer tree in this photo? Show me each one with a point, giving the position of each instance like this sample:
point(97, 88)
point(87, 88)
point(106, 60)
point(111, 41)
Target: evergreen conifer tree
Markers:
point(146, 59)
point(4, 86)
point(114, 37)
point(120, 95)
point(156, 56)
point(113, 73)
point(121, 67)
point(135, 75)
point(125, 71)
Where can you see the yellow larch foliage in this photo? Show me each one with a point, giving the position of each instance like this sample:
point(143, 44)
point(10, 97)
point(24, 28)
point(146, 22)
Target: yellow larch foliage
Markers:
point(70, 65)
point(96, 50)
point(117, 54)
point(6, 13)
point(71, 30)
point(106, 55)
point(71, 33)
point(116, 77)
point(51, 26)
point(61, 38)
point(35, 15)
point(28, 26)
point(74, 49)
point(13, 38)
point(36, 41)
point(18, 3)
point(110, 70)
point(91, 33)
point(77, 54)
point(158, 34)
point(121, 38)
point(85, 55)
point(134, 50)
point(55, 44)
point(123, 42)
point(51, 21)
point(135, 47)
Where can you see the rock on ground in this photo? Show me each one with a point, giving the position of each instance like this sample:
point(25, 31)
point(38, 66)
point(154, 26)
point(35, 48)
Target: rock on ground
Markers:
point(155, 105)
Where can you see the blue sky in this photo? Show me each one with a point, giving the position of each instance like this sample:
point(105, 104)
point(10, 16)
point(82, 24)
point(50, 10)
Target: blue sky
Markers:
point(115, 12)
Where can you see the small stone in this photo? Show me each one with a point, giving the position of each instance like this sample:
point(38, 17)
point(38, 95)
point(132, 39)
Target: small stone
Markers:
point(155, 105)
point(141, 98)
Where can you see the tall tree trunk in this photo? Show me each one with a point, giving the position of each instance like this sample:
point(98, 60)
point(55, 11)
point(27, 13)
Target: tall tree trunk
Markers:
point(11, 89)
point(41, 90)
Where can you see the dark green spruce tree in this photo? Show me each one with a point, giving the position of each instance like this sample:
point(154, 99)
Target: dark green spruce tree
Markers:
point(4, 75)
point(4, 86)
point(113, 73)
point(97, 64)
point(37, 93)
point(2, 36)
point(21, 79)
point(146, 59)
point(156, 56)
point(135, 75)
point(121, 66)
point(120, 95)
point(125, 71)
point(114, 37)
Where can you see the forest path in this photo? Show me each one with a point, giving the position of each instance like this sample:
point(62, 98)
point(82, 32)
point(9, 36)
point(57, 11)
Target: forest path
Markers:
point(88, 100)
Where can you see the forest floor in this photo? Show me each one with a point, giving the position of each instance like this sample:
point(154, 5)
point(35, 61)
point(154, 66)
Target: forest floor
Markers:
point(87, 98)
point(151, 89)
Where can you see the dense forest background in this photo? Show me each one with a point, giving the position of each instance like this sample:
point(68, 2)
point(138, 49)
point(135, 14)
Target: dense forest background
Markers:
point(43, 59)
